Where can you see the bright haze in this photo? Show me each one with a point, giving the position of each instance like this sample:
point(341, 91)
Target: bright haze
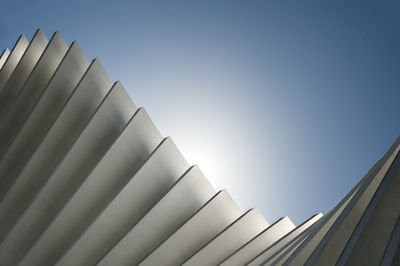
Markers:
point(286, 104)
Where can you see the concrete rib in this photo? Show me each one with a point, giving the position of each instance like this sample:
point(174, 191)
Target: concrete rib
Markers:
point(260, 242)
point(22, 71)
point(162, 220)
point(340, 232)
point(30, 93)
point(4, 57)
point(82, 104)
point(12, 60)
point(377, 222)
point(122, 160)
point(281, 255)
point(99, 134)
point(303, 253)
point(42, 117)
point(260, 258)
point(231, 238)
point(141, 193)
point(204, 225)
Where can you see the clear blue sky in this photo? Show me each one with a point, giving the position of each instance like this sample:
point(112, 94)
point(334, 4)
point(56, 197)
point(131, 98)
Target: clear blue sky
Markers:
point(286, 104)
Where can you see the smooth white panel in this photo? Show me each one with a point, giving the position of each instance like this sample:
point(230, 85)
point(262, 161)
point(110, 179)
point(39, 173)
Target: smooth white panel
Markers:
point(233, 237)
point(22, 71)
point(210, 220)
point(29, 94)
point(280, 256)
point(259, 243)
point(122, 160)
point(145, 189)
point(69, 124)
point(308, 245)
point(377, 223)
point(42, 117)
point(12, 60)
point(187, 196)
point(4, 57)
point(103, 129)
point(264, 255)
point(119, 164)
point(339, 229)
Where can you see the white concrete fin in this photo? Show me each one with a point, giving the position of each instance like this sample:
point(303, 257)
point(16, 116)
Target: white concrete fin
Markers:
point(187, 196)
point(22, 71)
point(4, 57)
point(260, 242)
point(122, 160)
point(52, 99)
point(210, 220)
point(140, 194)
point(116, 168)
point(30, 93)
point(264, 255)
point(234, 236)
point(337, 237)
point(12, 60)
point(103, 129)
point(281, 255)
point(42, 117)
point(377, 223)
point(307, 246)
point(54, 52)
point(74, 117)
point(304, 251)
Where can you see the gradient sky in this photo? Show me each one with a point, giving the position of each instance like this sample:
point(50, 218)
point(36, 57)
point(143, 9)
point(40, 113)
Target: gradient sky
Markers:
point(287, 104)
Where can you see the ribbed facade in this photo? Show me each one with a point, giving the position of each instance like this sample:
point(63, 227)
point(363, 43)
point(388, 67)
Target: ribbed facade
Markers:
point(86, 178)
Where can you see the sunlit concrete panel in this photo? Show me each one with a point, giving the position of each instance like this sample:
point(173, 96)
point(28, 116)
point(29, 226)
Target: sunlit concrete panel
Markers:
point(12, 60)
point(264, 255)
point(260, 242)
point(340, 232)
point(29, 94)
point(122, 160)
point(377, 223)
point(22, 71)
point(142, 192)
point(211, 219)
point(104, 127)
point(72, 120)
point(304, 251)
point(234, 236)
point(42, 117)
point(4, 57)
point(307, 246)
point(281, 255)
point(187, 196)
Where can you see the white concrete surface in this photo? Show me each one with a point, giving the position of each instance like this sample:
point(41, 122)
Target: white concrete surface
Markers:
point(22, 71)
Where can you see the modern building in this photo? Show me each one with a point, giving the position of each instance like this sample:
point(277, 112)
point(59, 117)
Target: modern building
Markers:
point(86, 178)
